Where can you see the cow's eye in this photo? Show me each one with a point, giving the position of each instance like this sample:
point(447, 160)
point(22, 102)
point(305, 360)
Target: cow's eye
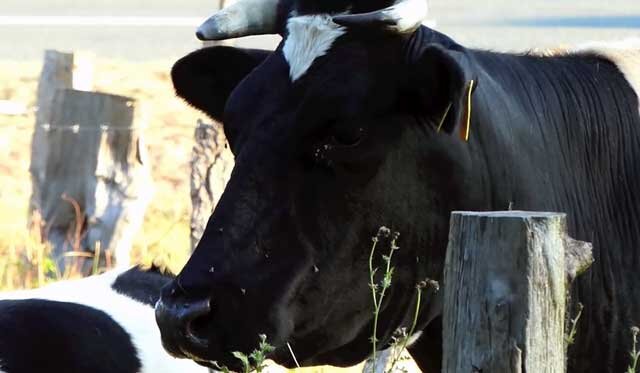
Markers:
point(347, 136)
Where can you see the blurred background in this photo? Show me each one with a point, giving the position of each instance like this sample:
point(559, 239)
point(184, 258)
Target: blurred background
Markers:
point(80, 181)
point(143, 30)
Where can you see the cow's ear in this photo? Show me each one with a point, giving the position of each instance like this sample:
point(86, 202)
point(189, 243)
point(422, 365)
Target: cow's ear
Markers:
point(205, 78)
point(445, 85)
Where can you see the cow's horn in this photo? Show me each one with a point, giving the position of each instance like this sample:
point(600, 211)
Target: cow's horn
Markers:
point(244, 17)
point(405, 16)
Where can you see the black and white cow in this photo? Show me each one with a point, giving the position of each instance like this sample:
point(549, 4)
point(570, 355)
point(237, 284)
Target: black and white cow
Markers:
point(100, 324)
point(362, 117)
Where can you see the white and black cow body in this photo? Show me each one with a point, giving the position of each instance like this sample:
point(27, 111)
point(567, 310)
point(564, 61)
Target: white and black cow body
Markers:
point(99, 324)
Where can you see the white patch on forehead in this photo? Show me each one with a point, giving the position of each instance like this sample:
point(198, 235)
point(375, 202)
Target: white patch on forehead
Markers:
point(309, 38)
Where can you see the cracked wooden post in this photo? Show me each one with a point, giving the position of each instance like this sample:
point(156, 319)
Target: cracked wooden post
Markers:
point(96, 178)
point(57, 73)
point(211, 165)
point(505, 281)
point(60, 70)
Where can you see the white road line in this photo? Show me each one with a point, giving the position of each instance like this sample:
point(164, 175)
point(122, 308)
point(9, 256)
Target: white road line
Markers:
point(99, 21)
point(135, 21)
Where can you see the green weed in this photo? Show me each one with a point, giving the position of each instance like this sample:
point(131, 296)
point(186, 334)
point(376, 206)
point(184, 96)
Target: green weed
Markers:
point(401, 337)
point(571, 337)
point(255, 361)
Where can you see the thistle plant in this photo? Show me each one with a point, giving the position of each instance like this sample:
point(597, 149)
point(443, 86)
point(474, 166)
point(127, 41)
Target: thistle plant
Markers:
point(378, 290)
point(259, 355)
point(401, 337)
point(255, 361)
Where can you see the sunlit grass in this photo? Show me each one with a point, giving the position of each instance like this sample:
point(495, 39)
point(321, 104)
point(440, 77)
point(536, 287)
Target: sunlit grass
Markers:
point(24, 259)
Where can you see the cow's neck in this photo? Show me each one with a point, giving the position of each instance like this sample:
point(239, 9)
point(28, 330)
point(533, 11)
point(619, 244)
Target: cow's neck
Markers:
point(555, 130)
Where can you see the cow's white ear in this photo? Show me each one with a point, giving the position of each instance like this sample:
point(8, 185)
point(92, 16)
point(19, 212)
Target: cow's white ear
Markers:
point(445, 88)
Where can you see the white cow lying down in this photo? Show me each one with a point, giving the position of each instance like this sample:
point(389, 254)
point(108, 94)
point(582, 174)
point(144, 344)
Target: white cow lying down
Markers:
point(98, 324)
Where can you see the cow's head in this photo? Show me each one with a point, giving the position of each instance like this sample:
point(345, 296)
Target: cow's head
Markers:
point(351, 124)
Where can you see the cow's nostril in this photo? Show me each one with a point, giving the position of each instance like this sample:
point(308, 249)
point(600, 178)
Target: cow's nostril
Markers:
point(183, 322)
point(194, 317)
point(195, 332)
point(190, 311)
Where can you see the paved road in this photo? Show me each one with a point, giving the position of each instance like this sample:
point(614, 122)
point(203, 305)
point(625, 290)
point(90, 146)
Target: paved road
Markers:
point(495, 24)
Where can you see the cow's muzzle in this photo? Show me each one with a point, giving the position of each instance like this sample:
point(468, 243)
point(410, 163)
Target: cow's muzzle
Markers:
point(177, 319)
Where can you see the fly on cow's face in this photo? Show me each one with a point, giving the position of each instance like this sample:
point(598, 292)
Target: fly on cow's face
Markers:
point(342, 136)
point(320, 155)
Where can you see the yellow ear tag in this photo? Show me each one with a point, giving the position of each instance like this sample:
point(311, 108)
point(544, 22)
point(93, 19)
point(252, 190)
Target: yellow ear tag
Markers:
point(466, 121)
point(446, 112)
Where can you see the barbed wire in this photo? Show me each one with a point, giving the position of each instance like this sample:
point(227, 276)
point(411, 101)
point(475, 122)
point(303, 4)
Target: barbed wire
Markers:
point(105, 127)
point(102, 127)
point(75, 128)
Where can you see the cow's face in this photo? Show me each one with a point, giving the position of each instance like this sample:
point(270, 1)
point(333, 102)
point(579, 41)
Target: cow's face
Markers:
point(332, 139)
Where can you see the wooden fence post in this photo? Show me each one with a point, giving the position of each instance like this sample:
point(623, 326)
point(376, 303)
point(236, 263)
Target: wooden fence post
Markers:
point(57, 73)
point(60, 70)
point(211, 165)
point(505, 283)
point(96, 178)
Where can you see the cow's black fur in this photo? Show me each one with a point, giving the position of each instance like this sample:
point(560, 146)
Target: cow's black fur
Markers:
point(142, 285)
point(58, 337)
point(289, 241)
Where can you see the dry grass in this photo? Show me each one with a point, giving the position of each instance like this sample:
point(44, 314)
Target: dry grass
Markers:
point(169, 137)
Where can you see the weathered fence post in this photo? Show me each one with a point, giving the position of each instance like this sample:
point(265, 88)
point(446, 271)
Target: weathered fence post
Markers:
point(211, 165)
point(505, 282)
point(60, 70)
point(57, 73)
point(96, 180)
